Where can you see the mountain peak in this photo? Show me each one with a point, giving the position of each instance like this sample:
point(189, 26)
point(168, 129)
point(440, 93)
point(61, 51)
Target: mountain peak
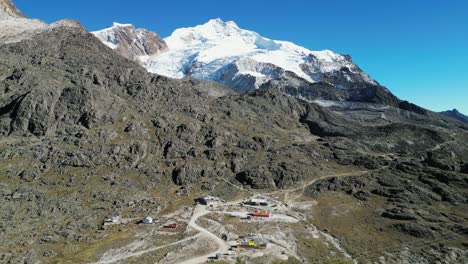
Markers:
point(220, 22)
point(456, 114)
point(116, 24)
point(216, 27)
point(131, 42)
point(9, 9)
point(215, 21)
point(216, 32)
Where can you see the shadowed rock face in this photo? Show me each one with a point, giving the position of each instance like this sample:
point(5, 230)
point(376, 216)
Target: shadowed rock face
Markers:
point(8, 8)
point(456, 115)
point(59, 87)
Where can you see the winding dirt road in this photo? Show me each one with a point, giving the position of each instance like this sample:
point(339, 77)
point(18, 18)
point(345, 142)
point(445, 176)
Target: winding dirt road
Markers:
point(301, 189)
point(223, 247)
point(113, 258)
point(198, 212)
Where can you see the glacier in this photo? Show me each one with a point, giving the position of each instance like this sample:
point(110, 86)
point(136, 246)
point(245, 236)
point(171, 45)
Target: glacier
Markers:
point(241, 59)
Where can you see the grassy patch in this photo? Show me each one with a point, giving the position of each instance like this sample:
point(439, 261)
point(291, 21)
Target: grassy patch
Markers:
point(289, 261)
point(338, 261)
point(151, 257)
point(89, 252)
point(355, 224)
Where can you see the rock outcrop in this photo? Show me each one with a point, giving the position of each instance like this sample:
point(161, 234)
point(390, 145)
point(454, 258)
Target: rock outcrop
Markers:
point(130, 42)
point(14, 26)
point(456, 115)
point(8, 9)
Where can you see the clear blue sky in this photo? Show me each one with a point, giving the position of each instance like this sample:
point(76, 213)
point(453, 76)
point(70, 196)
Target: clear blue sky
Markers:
point(417, 48)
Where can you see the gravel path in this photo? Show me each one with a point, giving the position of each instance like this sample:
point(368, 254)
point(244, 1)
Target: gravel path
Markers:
point(118, 256)
point(223, 247)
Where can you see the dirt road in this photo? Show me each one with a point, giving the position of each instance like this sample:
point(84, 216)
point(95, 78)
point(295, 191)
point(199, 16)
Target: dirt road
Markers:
point(118, 255)
point(223, 247)
point(301, 189)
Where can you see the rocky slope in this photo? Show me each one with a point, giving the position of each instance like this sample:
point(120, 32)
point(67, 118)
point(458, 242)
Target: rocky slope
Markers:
point(456, 115)
point(130, 42)
point(14, 26)
point(87, 133)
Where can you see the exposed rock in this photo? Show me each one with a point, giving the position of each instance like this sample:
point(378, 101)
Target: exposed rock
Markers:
point(7, 8)
point(415, 230)
point(456, 115)
point(188, 174)
point(363, 196)
point(464, 168)
point(399, 214)
point(442, 161)
point(30, 175)
point(130, 42)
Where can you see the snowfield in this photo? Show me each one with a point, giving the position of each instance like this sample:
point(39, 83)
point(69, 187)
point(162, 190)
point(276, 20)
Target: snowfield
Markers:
point(207, 48)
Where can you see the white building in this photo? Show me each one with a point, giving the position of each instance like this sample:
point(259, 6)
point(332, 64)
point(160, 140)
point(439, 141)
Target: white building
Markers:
point(148, 220)
point(258, 201)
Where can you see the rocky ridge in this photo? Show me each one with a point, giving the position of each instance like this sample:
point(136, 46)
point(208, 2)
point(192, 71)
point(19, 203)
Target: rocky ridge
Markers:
point(15, 26)
point(8, 8)
point(130, 42)
point(456, 115)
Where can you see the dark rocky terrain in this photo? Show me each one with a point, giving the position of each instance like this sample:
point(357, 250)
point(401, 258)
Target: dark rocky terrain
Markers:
point(456, 115)
point(85, 133)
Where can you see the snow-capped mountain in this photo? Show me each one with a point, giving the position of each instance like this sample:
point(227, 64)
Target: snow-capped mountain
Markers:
point(131, 42)
point(244, 60)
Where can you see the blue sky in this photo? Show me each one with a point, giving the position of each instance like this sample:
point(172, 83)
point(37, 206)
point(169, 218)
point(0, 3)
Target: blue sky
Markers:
point(417, 48)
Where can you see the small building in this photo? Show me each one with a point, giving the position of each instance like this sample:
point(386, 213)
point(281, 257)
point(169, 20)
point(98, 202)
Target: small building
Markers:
point(171, 226)
point(229, 236)
point(261, 213)
point(209, 200)
point(253, 242)
point(115, 219)
point(148, 220)
point(258, 202)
